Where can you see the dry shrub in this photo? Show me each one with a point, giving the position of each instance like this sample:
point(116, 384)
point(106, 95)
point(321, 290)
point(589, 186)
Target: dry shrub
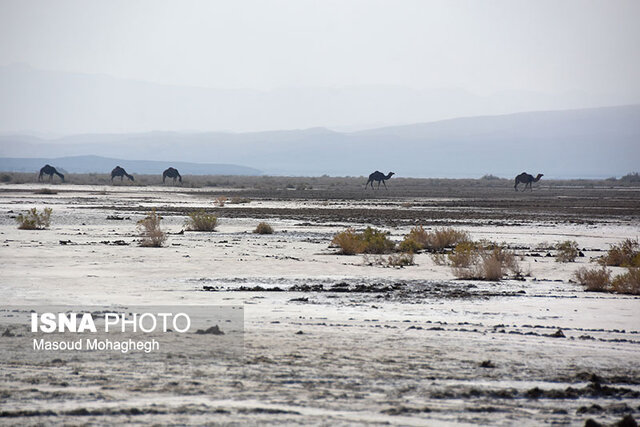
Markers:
point(221, 200)
point(439, 258)
point(624, 254)
point(463, 255)
point(398, 260)
point(594, 279)
point(627, 283)
point(418, 239)
point(482, 262)
point(152, 235)
point(447, 238)
point(201, 221)
point(349, 241)
point(567, 251)
point(371, 241)
point(263, 228)
point(33, 220)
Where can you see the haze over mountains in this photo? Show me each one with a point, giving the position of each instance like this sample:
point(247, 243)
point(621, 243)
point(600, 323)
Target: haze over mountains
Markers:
point(584, 143)
point(57, 103)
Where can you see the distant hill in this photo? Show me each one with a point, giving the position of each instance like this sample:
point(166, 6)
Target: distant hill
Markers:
point(97, 164)
point(588, 143)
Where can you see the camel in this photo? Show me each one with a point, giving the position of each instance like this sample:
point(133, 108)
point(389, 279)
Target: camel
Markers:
point(118, 171)
point(49, 170)
point(380, 177)
point(527, 180)
point(171, 173)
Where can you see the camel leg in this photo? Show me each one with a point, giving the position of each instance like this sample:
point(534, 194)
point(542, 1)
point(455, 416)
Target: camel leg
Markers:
point(379, 184)
point(385, 185)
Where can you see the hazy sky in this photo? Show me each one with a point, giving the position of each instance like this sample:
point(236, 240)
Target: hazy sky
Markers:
point(481, 46)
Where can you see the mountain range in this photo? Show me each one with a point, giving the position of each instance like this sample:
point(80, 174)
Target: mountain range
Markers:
point(584, 143)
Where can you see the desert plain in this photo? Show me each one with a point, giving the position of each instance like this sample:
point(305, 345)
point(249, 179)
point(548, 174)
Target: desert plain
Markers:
point(328, 339)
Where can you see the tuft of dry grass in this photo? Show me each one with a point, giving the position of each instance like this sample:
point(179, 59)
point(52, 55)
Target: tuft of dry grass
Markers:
point(201, 221)
point(370, 241)
point(32, 220)
point(152, 235)
point(594, 279)
point(567, 251)
point(221, 200)
point(263, 228)
point(624, 254)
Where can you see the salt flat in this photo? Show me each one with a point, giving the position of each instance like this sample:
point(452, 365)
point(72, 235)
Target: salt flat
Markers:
point(406, 348)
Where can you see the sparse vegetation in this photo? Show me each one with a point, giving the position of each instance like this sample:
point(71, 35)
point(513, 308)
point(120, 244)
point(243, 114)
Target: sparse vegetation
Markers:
point(627, 283)
point(5, 178)
point(482, 261)
point(438, 239)
point(624, 254)
point(370, 241)
point(398, 260)
point(152, 235)
point(594, 279)
point(567, 251)
point(34, 220)
point(221, 200)
point(201, 221)
point(599, 280)
point(263, 228)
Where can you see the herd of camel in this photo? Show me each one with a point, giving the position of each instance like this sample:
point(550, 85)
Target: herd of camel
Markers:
point(377, 176)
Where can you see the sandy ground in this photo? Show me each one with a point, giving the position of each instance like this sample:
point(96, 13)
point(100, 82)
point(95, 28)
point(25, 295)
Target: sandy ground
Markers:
point(386, 346)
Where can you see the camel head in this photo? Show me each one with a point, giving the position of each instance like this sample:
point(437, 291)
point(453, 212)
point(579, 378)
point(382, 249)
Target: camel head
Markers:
point(390, 174)
point(537, 178)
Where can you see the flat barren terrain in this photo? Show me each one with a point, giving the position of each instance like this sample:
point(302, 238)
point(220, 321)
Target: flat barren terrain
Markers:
point(329, 339)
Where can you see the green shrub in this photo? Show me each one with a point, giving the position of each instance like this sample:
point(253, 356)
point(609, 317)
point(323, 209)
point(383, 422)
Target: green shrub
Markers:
point(263, 228)
point(371, 241)
point(567, 251)
point(593, 279)
point(377, 242)
point(33, 220)
point(624, 254)
point(201, 221)
point(152, 235)
point(463, 255)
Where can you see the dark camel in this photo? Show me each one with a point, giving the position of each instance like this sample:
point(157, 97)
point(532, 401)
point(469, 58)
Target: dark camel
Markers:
point(380, 177)
point(527, 180)
point(118, 171)
point(171, 173)
point(49, 170)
